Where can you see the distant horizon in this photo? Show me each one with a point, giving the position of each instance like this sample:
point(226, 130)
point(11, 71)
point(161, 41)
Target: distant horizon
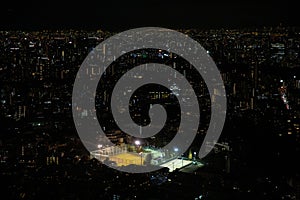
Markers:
point(31, 29)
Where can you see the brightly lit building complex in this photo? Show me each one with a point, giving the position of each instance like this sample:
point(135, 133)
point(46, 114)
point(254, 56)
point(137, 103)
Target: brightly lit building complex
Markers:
point(125, 154)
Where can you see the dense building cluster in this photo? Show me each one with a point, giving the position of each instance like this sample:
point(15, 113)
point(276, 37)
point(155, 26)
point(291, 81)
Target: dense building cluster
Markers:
point(41, 155)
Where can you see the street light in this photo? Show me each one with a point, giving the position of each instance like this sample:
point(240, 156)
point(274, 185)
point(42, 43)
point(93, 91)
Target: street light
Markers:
point(176, 150)
point(194, 158)
point(137, 142)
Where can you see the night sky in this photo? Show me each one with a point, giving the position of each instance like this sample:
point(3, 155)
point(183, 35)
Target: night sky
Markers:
point(121, 15)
